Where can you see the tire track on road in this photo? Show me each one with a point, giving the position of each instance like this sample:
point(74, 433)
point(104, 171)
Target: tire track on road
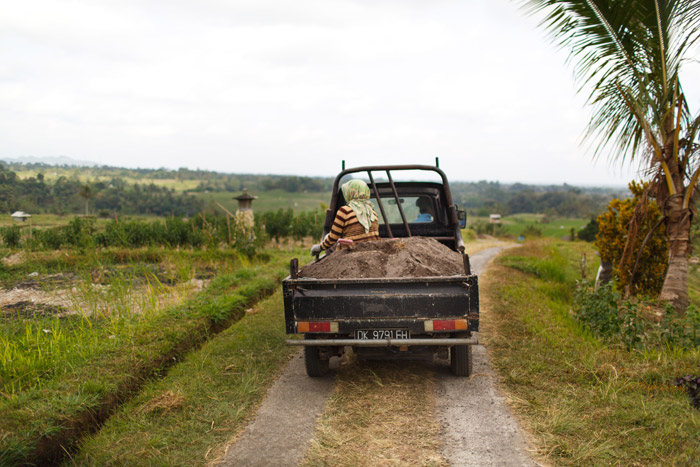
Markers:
point(478, 426)
point(285, 423)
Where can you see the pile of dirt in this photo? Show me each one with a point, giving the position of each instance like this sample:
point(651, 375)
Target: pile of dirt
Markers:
point(405, 257)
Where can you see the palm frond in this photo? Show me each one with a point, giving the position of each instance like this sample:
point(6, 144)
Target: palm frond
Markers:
point(635, 46)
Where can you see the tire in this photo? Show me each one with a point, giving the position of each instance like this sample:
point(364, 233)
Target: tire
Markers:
point(461, 360)
point(315, 365)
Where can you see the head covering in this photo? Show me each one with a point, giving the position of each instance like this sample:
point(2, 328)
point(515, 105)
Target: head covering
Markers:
point(356, 194)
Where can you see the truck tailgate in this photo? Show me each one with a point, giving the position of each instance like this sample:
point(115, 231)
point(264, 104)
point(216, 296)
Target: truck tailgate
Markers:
point(391, 301)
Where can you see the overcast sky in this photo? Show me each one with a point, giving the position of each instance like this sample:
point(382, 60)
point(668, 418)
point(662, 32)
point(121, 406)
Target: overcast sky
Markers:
point(294, 87)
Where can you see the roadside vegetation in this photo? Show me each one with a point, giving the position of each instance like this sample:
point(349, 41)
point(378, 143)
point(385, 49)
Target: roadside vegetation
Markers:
point(593, 378)
point(83, 328)
point(188, 416)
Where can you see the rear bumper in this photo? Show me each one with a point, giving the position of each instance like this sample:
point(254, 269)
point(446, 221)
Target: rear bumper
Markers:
point(383, 342)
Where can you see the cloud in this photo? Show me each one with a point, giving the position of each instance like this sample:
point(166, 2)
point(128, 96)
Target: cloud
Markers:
point(291, 87)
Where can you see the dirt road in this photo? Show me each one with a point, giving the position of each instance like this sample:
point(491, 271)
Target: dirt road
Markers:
point(478, 428)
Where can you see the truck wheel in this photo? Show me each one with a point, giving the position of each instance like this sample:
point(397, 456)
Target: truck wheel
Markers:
point(461, 360)
point(315, 365)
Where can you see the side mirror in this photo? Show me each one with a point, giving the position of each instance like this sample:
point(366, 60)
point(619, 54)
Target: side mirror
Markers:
point(462, 217)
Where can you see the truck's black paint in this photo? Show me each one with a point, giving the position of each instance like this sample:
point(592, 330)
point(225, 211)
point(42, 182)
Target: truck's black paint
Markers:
point(381, 303)
point(392, 303)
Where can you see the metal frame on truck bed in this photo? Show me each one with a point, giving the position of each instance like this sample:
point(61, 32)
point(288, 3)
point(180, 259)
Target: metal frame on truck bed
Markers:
point(413, 317)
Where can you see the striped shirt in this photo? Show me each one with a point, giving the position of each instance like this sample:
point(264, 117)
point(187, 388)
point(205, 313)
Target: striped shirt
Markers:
point(347, 226)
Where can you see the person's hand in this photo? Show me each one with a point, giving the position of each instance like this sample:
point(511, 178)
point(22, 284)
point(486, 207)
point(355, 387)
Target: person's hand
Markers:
point(316, 250)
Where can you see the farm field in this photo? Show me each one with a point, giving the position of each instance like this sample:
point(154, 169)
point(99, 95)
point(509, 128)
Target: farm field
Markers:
point(83, 331)
point(89, 174)
point(555, 227)
point(269, 200)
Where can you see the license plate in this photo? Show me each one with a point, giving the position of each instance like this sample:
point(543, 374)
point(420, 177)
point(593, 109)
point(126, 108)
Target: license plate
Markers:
point(372, 334)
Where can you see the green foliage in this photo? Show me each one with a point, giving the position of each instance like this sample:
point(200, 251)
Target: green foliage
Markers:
point(607, 316)
point(202, 231)
point(613, 230)
point(60, 370)
point(579, 392)
point(70, 195)
point(469, 235)
point(630, 54)
point(11, 236)
point(589, 232)
point(487, 228)
point(163, 192)
point(532, 231)
point(283, 223)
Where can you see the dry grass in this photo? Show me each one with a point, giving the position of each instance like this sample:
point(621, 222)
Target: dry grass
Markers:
point(381, 413)
point(164, 403)
point(583, 402)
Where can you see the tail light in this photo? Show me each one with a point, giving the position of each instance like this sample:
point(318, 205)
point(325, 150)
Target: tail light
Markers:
point(446, 325)
point(317, 326)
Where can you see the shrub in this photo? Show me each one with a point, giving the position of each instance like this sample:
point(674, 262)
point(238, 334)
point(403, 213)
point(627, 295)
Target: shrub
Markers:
point(608, 317)
point(11, 236)
point(597, 310)
point(532, 231)
point(50, 239)
point(79, 232)
point(469, 235)
point(589, 232)
point(612, 235)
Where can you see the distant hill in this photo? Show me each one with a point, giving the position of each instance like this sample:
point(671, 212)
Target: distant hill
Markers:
point(49, 160)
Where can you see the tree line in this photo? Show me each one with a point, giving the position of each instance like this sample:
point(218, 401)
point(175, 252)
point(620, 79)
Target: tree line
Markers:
point(483, 198)
point(69, 195)
point(140, 196)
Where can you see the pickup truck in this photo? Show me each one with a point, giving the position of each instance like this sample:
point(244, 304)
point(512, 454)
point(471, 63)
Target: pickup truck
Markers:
point(380, 318)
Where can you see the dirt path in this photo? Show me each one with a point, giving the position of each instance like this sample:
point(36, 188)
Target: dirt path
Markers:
point(284, 424)
point(478, 428)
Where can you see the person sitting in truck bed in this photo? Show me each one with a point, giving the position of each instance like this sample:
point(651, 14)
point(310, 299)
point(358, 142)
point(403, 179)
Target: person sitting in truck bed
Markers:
point(355, 221)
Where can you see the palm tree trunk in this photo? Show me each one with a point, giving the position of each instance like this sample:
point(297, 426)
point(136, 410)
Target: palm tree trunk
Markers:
point(675, 288)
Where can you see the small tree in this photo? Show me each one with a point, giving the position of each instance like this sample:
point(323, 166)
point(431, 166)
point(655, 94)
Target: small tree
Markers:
point(85, 192)
point(639, 265)
point(589, 232)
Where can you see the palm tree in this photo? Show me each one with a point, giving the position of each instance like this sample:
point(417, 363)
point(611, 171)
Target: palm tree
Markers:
point(629, 54)
point(85, 192)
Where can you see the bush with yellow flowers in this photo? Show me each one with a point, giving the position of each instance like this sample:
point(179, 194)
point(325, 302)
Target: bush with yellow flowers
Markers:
point(613, 228)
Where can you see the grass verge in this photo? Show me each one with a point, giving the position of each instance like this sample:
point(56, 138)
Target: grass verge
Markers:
point(108, 362)
point(381, 413)
point(185, 417)
point(584, 401)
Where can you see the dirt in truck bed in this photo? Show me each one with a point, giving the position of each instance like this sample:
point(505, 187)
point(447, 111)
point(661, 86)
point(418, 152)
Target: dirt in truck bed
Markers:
point(396, 257)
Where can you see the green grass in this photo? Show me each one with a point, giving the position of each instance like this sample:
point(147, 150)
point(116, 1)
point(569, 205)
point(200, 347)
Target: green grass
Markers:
point(555, 227)
point(585, 402)
point(694, 284)
point(55, 382)
point(186, 417)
